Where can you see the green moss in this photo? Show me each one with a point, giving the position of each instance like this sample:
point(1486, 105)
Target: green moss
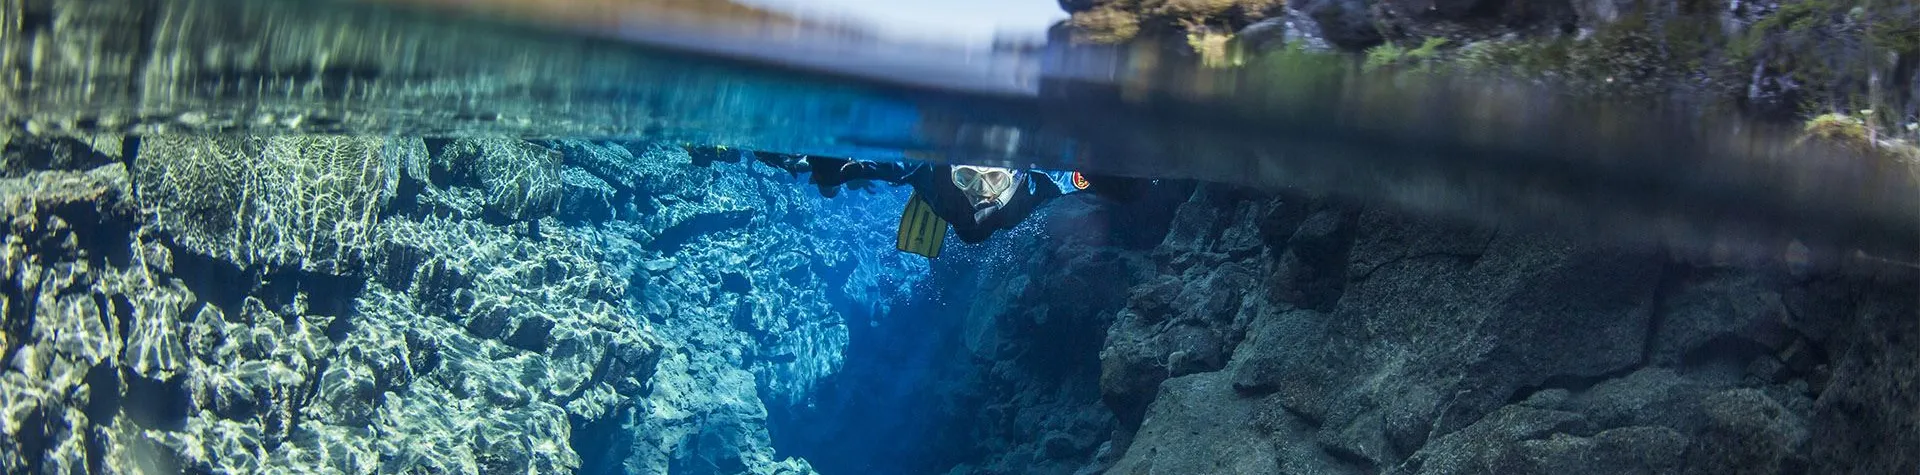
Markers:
point(1524, 59)
point(1900, 35)
point(1692, 41)
point(1789, 22)
point(1209, 12)
point(1295, 70)
point(1383, 56)
point(1837, 128)
point(1123, 20)
point(1856, 135)
point(1828, 48)
point(1390, 55)
point(1428, 49)
point(1105, 25)
point(1620, 62)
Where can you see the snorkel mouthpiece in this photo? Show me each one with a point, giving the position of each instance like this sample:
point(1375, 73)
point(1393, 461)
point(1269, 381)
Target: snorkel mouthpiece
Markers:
point(987, 188)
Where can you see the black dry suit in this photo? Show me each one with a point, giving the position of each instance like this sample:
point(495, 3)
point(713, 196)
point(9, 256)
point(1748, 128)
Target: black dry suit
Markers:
point(935, 185)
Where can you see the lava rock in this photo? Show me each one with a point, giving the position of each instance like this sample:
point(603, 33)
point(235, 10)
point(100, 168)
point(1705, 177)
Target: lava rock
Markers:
point(1486, 442)
point(306, 201)
point(1138, 357)
point(608, 162)
point(522, 180)
point(1198, 425)
point(1346, 24)
point(585, 198)
point(1648, 397)
point(1719, 310)
point(1637, 450)
point(1748, 432)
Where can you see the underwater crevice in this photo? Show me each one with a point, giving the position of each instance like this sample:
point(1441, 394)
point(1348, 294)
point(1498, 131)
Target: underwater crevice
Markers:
point(122, 311)
point(129, 148)
point(1349, 458)
point(212, 280)
point(305, 399)
point(595, 449)
point(33, 437)
point(1725, 353)
point(1570, 382)
point(327, 294)
point(1671, 277)
point(163, 404)
point(18, 317)
point(98, 233)
point(103, 392)
point(676, 237)
point(1466, 259)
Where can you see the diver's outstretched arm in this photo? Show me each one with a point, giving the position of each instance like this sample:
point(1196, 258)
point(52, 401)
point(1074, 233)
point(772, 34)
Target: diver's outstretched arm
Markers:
point(829, 172)
point(1116, 188)
point(1044, 187)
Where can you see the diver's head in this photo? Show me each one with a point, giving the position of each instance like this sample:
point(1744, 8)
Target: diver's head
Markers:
point(987, 188)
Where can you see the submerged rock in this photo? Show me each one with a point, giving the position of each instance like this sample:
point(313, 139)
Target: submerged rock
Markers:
point(585, 198)
point(186, 318)
point(304, 201)
point(1746, 431)
point(1232, 443)
point(522, 181)
point(1450, 348)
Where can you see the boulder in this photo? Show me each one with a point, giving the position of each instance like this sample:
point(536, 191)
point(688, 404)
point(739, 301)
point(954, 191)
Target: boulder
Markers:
point(1491, 441)
point(522, 181)
point(585, 198)
point(1746, 431)
point(1721, 312)
point(1198, 425)
point(310, 202)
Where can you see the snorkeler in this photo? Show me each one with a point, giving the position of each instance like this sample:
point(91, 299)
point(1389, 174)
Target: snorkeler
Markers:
point(975, 200)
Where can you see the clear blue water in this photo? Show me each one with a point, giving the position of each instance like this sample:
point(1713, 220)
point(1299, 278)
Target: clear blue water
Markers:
point(342, 238)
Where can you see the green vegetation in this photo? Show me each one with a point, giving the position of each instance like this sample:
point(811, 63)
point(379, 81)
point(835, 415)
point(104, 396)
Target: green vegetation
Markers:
point(1390, 55)
point(1513, 58)
point(1804, 60)
point(1899, 34)
point(1122, 20)
point(1623, 62)
point(1228, 15)
point(1837, 50)
point(1840, 129)
point(1800, 40)
point(1295, 69)
point(1853, 132)
point(1105, 25)
point(579, 10)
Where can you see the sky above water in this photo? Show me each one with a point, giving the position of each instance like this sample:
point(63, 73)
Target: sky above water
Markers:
point(948, 19)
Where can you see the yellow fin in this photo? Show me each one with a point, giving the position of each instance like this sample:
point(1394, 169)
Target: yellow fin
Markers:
point(921, 231)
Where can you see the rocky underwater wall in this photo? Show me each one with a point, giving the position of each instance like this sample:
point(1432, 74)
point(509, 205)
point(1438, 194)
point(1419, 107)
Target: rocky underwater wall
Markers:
point(201, 303)
point(359, 304)
point(362, 304)
point(1284, 333)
